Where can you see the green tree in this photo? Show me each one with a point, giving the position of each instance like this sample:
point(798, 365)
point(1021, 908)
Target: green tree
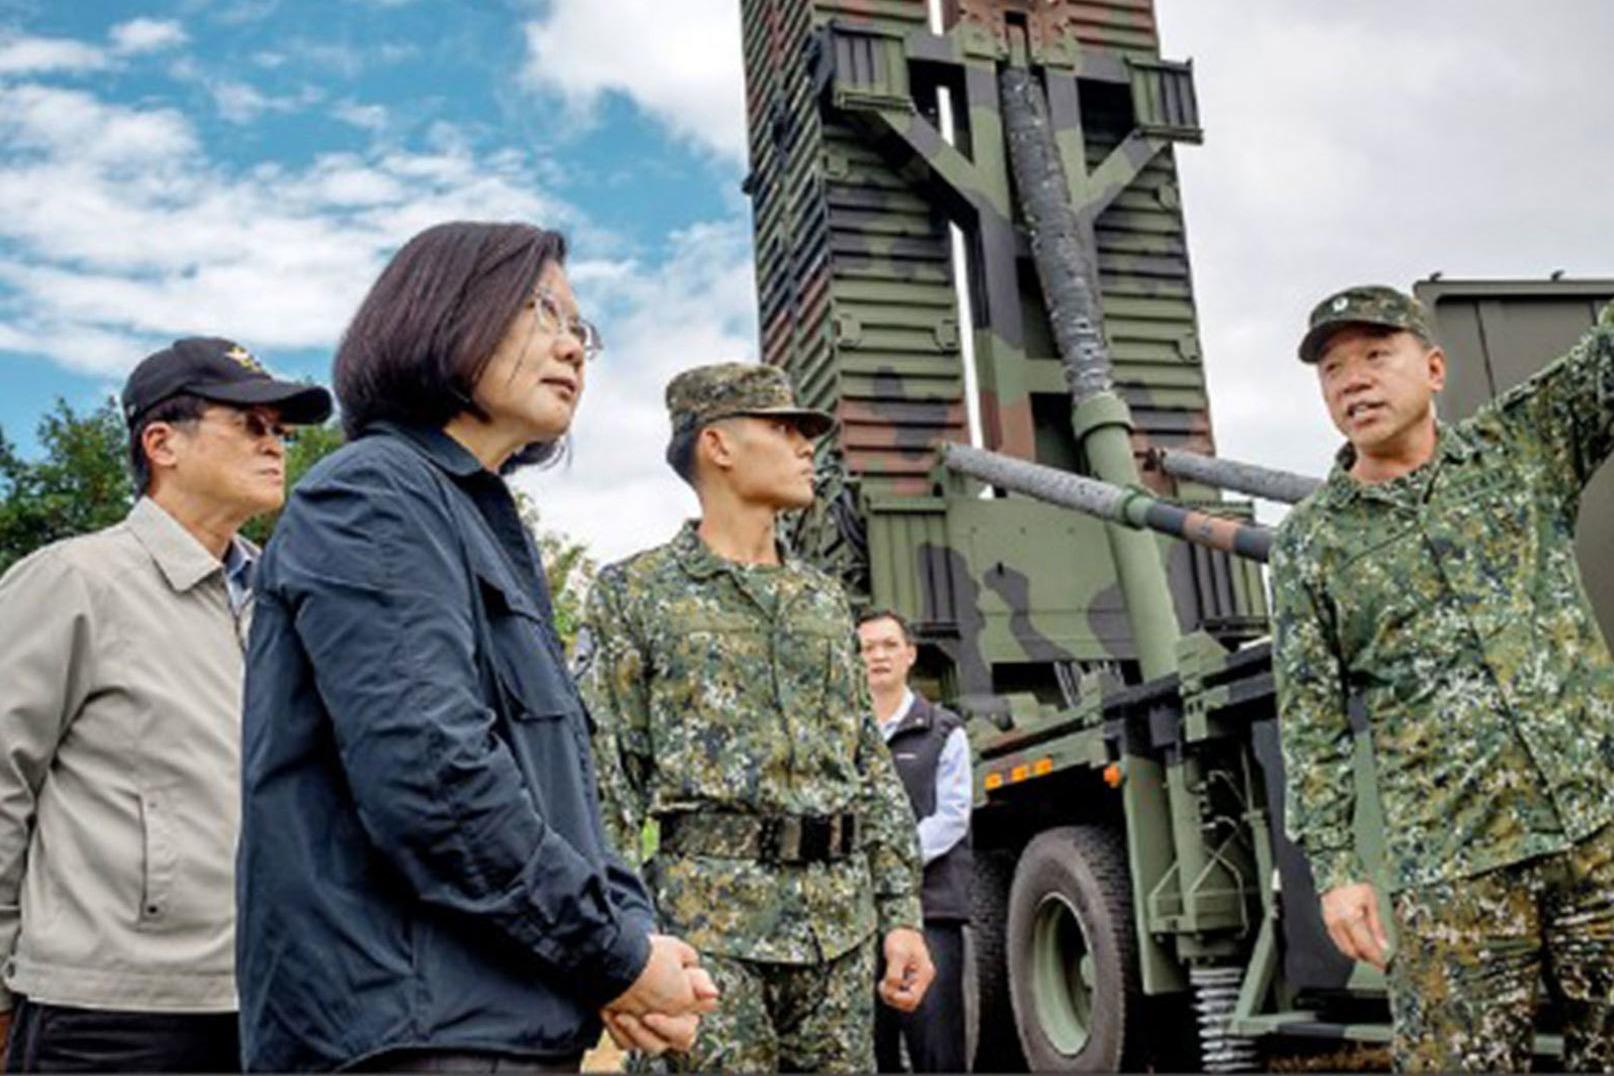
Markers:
point(81, 483)
point(568, 568)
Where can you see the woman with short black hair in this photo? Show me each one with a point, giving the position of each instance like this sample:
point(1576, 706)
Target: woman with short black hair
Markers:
point(423, 880)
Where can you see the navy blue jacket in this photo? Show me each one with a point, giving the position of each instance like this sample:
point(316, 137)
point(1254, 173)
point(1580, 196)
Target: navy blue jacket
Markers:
point(421, 860)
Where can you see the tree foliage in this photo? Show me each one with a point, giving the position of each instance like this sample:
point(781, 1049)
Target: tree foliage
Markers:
point(567, 566)
point(81, 482)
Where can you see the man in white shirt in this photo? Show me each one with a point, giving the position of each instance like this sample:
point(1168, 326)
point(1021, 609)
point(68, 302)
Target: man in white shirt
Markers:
point(932, 755)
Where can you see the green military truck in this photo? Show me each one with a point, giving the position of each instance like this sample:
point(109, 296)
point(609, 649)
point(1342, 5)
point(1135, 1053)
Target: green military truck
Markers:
point(970, 247)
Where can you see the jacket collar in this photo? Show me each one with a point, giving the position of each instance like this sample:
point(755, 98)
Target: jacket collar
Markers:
point(700, 562)
point(183, 560)
point(921, 715)
point(1451, 443)
point(438, 447)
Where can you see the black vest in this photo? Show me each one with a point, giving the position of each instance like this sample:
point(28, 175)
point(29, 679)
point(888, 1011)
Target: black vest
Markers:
point(916, 748)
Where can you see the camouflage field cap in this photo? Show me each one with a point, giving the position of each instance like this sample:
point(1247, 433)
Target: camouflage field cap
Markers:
point(707, 393)
point(1365, 304)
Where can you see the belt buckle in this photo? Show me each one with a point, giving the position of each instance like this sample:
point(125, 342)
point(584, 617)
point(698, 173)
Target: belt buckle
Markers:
point(782, 839)
point(817, 838)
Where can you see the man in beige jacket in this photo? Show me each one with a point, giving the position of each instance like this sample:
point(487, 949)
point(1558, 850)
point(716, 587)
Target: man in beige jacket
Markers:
point(121, 660)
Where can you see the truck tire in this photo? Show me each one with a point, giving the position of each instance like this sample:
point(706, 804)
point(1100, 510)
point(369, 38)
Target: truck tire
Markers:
point(1073, 956)
point(997, 1043)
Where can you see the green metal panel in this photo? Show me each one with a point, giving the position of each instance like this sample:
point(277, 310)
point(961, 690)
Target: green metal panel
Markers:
point(854, 191)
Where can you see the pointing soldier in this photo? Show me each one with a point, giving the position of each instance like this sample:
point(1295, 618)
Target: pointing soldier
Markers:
point(733, 712)
point(1434, 577)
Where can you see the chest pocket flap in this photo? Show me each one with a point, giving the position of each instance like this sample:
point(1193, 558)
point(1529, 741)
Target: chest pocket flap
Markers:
point(527, 662)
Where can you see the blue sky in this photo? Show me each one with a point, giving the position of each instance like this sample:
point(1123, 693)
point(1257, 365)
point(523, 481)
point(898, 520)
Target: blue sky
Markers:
point(339, 121)
point(244, 168)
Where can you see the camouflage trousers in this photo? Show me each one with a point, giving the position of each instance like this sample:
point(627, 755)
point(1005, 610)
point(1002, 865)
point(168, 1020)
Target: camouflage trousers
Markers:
point(1470, 955)
point(788, 1017)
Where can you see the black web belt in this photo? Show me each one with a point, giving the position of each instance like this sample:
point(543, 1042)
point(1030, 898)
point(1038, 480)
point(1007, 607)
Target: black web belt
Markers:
point(765, 838)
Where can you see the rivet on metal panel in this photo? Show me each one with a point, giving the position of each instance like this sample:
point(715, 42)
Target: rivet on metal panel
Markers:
point(946, 333)
point(1168, 196)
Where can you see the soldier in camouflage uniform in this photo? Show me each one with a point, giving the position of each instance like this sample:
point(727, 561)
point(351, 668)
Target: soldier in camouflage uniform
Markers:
point(1433, 579)
point(732, 711)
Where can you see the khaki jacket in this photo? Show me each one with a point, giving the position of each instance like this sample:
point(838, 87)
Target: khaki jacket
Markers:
point(120, 708)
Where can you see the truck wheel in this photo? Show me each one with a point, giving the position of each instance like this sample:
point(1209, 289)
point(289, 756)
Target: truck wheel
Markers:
point(997, 1044)
point(1073, 959)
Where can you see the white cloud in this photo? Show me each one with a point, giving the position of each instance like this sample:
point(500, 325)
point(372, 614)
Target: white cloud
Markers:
point(33, 55)
point(684, 71)
point(38, 55)
point(147, 35)
point(371, 118)
point(119, 230)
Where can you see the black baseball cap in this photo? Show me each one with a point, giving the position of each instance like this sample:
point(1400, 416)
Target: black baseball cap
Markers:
point(224, 372)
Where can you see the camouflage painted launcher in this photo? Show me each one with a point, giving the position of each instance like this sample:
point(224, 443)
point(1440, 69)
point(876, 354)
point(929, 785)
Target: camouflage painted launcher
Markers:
point(1286, 487)
point(1129, 507)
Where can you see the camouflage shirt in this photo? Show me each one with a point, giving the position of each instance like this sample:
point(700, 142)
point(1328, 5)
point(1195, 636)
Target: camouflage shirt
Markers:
point(1448, 603)
point(720, 687)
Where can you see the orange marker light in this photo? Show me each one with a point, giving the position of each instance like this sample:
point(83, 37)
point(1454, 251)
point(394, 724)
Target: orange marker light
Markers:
point(1020, 772)
point(993, 780)
point(1042, 767)
point(1112, 775)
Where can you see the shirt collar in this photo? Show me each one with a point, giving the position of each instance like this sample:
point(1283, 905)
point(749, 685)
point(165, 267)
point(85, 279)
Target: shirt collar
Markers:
point(437, 446)
point(183, 560)
point(239, 561)
point(1451, 443)
point(698, 559)
point(904, 709)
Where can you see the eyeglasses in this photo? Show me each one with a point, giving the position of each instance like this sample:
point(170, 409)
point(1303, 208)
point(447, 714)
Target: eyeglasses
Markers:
point(252, 423)
point(555, 319)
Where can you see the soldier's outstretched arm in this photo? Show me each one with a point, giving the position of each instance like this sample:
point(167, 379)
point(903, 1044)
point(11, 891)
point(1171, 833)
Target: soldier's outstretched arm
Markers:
point(1313, 722)
point(1567, 410)
point(612, 673)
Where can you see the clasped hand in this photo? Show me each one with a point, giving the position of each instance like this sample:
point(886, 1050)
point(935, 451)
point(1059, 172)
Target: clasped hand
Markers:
point(908, 970)
point(661, 1011)
point(1351, 914)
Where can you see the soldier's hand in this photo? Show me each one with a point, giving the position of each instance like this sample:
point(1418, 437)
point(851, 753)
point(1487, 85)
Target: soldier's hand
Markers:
point(1351, 914)
point(908, 970)
point(672, 982)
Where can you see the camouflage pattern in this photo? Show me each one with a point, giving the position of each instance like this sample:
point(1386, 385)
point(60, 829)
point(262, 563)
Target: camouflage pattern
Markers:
point(720, 687)
point(1470, 955)
point(1450, 601)
point(1364, 304)
point(789, 1017)
point(722, 390)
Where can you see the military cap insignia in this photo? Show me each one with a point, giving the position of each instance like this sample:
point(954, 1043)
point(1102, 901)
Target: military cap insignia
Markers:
point(1341, 303)
point(243, 358)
